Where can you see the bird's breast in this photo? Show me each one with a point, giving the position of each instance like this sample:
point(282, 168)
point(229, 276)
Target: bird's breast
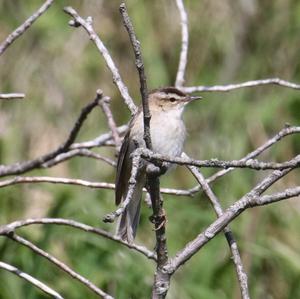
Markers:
point(167, 134)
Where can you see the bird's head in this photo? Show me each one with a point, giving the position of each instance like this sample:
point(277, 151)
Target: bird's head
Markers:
point(169, 99)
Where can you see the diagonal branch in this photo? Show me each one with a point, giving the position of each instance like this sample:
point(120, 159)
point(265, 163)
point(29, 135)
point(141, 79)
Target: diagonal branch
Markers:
point(242, 276)
point(21, 29)
point(40, 285)
point(287, 193)
point(251, 199)
point(104, 104)
point(184, 44)
point(11, 227)
point(88, 27)
point(60, 265)
point(230, 87)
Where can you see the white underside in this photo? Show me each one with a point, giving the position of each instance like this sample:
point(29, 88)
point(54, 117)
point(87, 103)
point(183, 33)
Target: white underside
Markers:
point(167, 132)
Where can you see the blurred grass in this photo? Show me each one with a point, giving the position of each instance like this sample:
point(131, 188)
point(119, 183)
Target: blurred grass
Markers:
point(59, 70)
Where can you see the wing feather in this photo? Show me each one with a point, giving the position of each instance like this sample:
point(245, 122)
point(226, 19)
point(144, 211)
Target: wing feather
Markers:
point(123, 170)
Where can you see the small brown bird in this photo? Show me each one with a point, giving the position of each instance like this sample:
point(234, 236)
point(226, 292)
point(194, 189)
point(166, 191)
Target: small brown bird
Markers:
point(167, 132)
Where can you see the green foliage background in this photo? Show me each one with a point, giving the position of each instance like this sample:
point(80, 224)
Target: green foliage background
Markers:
point(59, 69)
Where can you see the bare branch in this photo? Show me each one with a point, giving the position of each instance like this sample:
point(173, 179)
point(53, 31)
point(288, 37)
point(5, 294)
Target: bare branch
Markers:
point(12, 96)
point(44, 288)
point(287, 193)
point(140, 67)
point(77, 152)
point(24, 166)
point(11, 227)
point(251, 199)
point(21, 29)
point(103, 139)
point(104, 103)
point(60, 265)
point(178, 192)
point(215, 163)
point(184, 44)
point(78, 182)
point(88, 26)
point(55, 180)
point(242, 276)
point(253, 83)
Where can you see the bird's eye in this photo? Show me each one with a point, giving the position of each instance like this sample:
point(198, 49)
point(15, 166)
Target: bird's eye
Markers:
point(172, 100)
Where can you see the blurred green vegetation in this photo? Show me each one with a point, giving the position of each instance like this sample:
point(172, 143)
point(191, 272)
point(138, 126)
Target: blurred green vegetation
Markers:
point(59, 69)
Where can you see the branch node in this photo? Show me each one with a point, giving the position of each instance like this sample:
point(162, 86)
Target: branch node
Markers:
point(89, 20)
point(109, 218)
point(99, 92)
point(6, 230)
point(73, 23)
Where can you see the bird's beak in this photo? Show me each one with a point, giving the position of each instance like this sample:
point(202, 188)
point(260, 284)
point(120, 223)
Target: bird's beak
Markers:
point(190, 99)
point(193, 98)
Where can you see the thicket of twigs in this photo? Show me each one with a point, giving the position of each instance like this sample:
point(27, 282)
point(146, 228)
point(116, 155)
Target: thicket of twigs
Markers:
point(60, 135)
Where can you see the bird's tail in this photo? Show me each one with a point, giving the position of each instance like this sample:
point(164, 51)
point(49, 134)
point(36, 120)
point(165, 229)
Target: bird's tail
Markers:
point(130, 218)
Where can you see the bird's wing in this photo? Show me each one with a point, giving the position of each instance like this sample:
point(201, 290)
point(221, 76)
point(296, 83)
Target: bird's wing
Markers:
point(123, 169)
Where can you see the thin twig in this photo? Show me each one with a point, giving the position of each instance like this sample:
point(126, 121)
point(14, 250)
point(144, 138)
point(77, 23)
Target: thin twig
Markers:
point(178, 192)
point(241, 274)
point(77, 152)
point(55, 180)
point(11, 227)
point(184, 44)
point(287, 193)
point(60, 265)
point(102, 140)
point(88, 26)
point(142, 76)
point(131, 187)
point(21, 29)
point(40, 285)
point(24, 166)
point(251, 199)
point(229, 87)
point(104, 104)
point(12, 96)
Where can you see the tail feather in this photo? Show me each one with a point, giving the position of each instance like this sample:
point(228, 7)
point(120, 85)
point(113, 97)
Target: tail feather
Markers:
point(130, 218)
